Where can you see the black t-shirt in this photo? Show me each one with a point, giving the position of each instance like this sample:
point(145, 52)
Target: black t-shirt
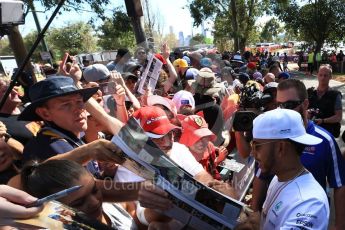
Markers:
point(327, 107)
point(213, 115)
point(22, 131)
point(6, 175)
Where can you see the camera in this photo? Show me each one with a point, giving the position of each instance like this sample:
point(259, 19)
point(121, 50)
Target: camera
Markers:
point(253, 102)
point(314, 113)
point(107, 88)
point(250, 98)
point(243, 120)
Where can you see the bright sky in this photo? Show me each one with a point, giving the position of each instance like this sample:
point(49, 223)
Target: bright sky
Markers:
point(174, 13)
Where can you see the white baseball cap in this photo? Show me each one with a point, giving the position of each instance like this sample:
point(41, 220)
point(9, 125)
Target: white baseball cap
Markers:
point(159, 100)
point(282, 124)
point(183, 97)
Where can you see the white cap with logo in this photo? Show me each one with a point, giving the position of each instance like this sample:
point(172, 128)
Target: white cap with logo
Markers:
point(282, 124)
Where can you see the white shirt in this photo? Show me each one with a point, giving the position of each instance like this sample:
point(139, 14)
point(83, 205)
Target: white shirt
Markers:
point(297, 204)
point(181, 155)
point(124, 175)
point(119, 217)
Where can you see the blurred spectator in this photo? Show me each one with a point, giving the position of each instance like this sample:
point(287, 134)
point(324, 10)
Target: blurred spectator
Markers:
point(325, 104)
point(269, 78)
point(140, 55)
point(122, 57)
point(23, 131)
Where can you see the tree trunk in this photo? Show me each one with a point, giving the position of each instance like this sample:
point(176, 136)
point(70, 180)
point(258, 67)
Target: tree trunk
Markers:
point(242, 46)
point(17, 45)
point(137, 23)
point(316, 51)
point(234, 23)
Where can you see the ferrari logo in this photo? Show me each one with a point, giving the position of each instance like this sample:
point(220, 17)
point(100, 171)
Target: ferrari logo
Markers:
point(198, 121)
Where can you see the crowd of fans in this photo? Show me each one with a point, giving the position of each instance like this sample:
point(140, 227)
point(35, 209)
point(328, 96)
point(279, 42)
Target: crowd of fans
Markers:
point(193, 116)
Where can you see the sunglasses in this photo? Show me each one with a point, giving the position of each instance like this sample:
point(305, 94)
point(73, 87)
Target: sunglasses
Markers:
point(289, 104)
point(255, 145)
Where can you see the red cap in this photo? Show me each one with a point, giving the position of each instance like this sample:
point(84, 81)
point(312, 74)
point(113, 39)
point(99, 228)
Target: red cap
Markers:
point(251, 65)
point(194, 128)
point(154, 121)
point(161, 58)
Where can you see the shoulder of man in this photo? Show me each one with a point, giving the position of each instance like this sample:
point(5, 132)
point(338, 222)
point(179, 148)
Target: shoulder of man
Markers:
point(45, 145)
point(329, 148)
point(333, 93)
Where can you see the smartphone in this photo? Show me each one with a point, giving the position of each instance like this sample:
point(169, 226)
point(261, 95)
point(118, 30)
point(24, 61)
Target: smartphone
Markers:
point(69, 59)
point(63, 62)
point(108, 88)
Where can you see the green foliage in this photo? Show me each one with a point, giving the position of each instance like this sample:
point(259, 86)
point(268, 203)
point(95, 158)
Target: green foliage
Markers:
point(208, 41)
point(29, 40)
point(270, 30)
point(171, 40)
point(234, 19)
point(97, 6)
point(197, 39)
point(317, 21)
point(202, 9)
point(5, 48)
point(74, 38)
point(116, 32)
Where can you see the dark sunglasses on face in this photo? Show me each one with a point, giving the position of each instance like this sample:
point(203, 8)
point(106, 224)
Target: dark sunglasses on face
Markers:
point(289, 104)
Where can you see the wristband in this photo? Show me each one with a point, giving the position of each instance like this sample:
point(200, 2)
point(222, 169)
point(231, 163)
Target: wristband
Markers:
point(141, 215)
point(6, 137)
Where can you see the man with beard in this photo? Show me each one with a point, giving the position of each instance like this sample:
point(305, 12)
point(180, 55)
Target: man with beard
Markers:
point(295, 200)
point(323, 160)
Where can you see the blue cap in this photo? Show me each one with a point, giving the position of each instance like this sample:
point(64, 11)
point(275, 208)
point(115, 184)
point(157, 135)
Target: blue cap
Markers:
point(187, 59)
point(206, 62)
point(52, 87)
point(284, 75)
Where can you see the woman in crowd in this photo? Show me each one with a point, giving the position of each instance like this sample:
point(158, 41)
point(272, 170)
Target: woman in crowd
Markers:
point(52, 176)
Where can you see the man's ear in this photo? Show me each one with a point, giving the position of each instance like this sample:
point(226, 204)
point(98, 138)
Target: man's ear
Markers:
point(306, 104)
point(43, 113)
point(282, 147)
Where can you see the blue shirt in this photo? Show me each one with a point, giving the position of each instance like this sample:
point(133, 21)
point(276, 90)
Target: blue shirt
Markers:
point(324, 160)
point(52, 140)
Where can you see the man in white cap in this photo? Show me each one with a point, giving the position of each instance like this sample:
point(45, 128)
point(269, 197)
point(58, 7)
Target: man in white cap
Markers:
point(295, 200)
point(323, 160)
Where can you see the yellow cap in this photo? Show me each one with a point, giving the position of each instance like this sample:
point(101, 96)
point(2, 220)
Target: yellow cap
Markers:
point(180, 63)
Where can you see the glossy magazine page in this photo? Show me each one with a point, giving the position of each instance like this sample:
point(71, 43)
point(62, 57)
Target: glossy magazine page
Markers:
point(196, 205)
point(58, 216)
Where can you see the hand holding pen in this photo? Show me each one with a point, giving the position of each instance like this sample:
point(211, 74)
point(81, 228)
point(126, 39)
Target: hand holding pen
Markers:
point(13, 202)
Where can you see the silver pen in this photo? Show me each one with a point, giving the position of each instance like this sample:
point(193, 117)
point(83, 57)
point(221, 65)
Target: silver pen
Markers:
point(54, 196)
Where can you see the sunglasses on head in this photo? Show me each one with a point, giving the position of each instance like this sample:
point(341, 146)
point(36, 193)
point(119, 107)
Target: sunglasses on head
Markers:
point(289, 104)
